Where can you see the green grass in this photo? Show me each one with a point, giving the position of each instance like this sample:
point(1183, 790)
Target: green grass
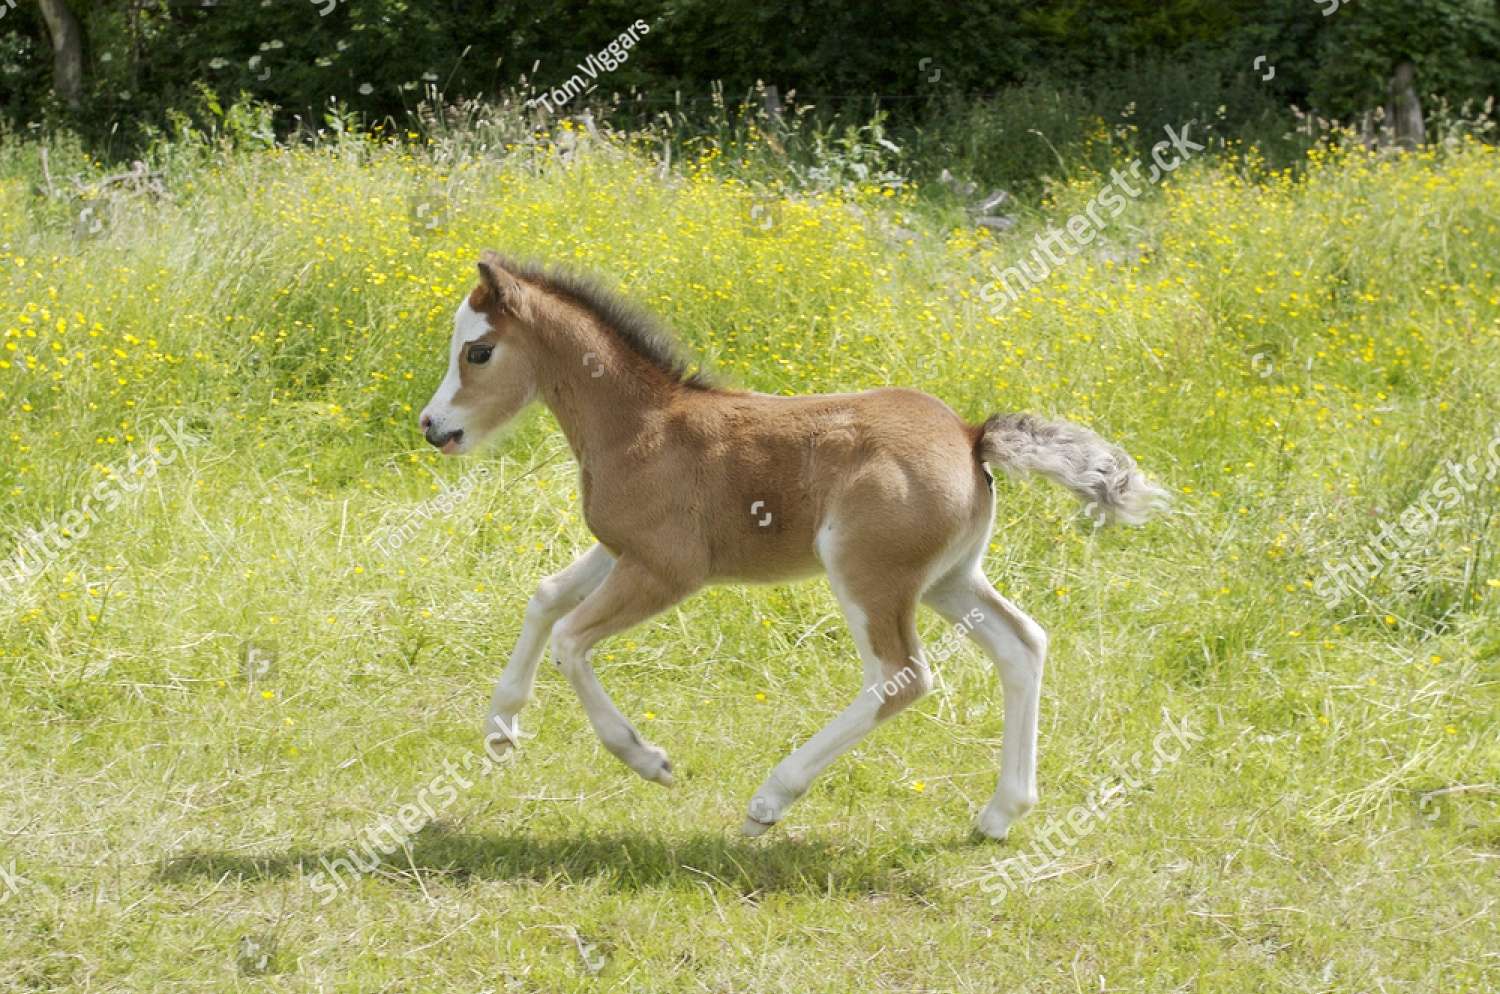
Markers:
point(168, 818)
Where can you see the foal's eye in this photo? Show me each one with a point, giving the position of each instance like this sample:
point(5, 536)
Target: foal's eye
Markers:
point(480, 354)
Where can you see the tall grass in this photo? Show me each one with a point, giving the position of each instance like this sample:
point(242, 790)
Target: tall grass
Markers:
point(1295, 355)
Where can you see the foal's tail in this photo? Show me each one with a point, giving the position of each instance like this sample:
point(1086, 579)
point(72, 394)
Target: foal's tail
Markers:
point(1101, 475)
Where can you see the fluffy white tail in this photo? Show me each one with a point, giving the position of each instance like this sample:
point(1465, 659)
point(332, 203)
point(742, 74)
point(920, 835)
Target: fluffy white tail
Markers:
point(1101, 475)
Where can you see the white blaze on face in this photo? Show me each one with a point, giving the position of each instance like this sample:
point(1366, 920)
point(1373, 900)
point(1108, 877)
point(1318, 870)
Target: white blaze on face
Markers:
point(441, 412)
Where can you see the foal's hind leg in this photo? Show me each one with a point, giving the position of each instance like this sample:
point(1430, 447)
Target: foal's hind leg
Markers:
point(555, 597)
point(1018, 647)
point(882, 618)
point(630, 594)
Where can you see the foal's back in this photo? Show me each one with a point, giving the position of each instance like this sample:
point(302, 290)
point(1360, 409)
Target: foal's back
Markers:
point(780, 482)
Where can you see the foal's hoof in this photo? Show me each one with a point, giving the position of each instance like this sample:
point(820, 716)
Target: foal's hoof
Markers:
point(995, 824)
point(753, 829)
point(499, 738)
point(991, 825)
point(655, 766)
point(760, 818)
point(497, 748)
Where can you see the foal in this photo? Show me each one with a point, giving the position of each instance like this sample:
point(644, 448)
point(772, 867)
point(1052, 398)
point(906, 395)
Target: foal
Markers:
point(685, 484)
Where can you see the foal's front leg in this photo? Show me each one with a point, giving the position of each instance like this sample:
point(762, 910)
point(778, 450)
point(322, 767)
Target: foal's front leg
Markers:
point(555, 597)
point(630, 594)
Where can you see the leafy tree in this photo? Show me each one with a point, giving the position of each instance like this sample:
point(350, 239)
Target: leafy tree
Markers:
point(130, 62)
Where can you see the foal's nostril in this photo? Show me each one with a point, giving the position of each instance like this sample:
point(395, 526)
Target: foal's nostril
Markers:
point(425, 422)
point(441, 439)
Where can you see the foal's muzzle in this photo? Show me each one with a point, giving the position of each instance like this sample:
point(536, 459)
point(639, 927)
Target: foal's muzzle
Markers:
point(442, 438)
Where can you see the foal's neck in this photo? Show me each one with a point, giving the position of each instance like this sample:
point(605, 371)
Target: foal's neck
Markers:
point(602, 394)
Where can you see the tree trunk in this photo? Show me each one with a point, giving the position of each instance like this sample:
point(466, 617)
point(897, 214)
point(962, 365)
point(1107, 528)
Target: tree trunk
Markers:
point(67, 51)
point(1404, 109)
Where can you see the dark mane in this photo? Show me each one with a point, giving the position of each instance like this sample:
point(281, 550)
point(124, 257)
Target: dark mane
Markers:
point(637, 330)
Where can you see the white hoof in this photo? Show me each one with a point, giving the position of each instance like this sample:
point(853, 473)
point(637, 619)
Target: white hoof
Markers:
point(762, 815)
point(654, 765)
point(993, 825)
point(753, 829)
point(501, 738)
point(995, 822)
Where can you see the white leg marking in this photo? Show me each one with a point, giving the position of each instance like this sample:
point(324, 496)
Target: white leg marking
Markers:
point(557, 595)
point(614, 730)
point(1018, 647)
point(629, 595)
point(794, 774)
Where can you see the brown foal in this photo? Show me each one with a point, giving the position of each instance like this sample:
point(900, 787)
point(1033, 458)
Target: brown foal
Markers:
point(686, 484)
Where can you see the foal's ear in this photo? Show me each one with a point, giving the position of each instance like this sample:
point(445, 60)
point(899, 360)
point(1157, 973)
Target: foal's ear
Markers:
point(498, 284)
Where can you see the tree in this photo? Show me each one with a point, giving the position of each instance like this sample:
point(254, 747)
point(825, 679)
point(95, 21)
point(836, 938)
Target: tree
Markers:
point(67, 51)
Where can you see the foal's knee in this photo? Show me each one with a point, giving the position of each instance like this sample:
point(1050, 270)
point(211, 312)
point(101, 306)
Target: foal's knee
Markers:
point(547, 604)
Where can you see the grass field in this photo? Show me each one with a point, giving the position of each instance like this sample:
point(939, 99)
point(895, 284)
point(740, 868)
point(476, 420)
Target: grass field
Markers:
point(226, 676)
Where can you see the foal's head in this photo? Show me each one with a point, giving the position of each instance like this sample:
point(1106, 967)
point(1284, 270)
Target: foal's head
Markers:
point(491, 366)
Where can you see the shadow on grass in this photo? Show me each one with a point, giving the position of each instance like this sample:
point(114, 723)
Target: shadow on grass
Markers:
point(629, 861)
